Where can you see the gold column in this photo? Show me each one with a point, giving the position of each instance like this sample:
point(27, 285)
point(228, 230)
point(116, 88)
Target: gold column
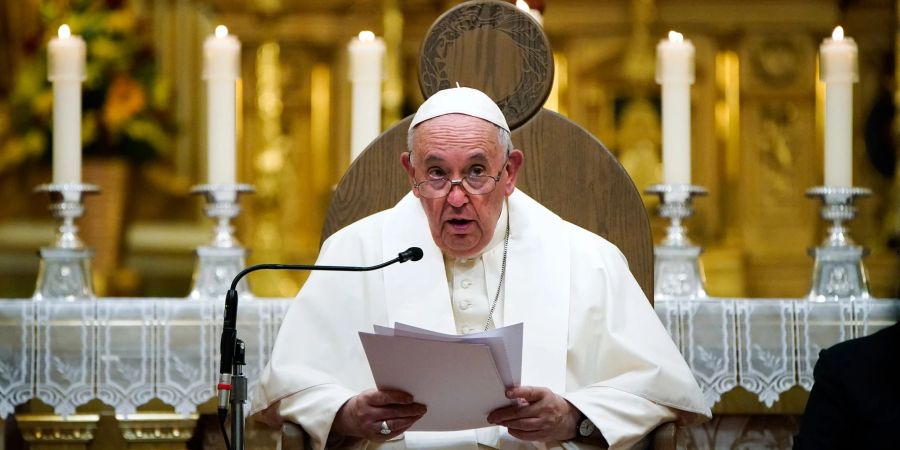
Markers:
point(723, 264)
point(555, 101)
point(52, 432)
point(163, 431)
point(268, 173)
point(892, 221)
point(392, 90)
point(320, 135)
point(728, 133)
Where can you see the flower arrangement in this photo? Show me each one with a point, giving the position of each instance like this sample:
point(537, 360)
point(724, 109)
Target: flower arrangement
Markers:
point(125, 103)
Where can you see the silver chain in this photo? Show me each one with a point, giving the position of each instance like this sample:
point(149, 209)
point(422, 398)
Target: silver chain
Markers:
point(490, 318)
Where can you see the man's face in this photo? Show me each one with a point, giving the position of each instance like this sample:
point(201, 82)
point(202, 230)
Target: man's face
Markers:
point(454, 146)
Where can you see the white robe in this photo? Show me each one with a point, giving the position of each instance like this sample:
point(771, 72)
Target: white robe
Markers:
point(590, 334)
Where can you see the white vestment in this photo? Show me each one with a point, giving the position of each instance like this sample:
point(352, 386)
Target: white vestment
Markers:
point(590, 334)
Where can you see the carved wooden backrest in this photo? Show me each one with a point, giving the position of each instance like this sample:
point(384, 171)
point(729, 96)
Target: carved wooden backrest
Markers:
point(495, 47)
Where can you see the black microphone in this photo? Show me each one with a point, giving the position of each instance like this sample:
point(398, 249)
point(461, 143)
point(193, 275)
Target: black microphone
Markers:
point(229, 329)
point(410, 254)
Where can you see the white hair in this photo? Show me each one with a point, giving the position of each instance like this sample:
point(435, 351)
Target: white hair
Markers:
point(503, 138)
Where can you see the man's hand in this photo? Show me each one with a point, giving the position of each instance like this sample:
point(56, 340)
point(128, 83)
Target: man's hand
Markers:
point(539, 415)
point(362, 415)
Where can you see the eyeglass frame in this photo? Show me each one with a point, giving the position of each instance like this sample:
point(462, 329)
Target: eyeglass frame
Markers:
point(459, 182)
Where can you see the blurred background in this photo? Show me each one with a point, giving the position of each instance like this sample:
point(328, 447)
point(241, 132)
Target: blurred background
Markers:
point(757, 126)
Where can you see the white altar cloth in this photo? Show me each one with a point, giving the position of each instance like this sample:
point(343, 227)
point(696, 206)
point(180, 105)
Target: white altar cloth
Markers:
point(126, 351)
point(766, 346)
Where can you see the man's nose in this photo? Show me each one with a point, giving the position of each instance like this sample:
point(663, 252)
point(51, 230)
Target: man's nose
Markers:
point(457, 196)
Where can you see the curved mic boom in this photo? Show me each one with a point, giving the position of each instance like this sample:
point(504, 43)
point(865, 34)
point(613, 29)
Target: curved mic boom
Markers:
point(229, 330)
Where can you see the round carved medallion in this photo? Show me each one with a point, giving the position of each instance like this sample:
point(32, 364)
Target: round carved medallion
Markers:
point(492, 46)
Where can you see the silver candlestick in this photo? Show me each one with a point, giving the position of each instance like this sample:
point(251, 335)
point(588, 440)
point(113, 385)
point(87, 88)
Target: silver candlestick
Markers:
point(677, 272)
point(223, 258)
point(65, 269)
point(838, 273)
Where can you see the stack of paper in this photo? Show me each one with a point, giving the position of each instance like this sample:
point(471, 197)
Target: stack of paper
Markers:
point(460, 379)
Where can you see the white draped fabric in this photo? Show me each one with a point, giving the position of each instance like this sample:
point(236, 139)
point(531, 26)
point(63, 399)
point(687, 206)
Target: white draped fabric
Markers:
point(125, 351)
point(766, 346)
point(590, 335)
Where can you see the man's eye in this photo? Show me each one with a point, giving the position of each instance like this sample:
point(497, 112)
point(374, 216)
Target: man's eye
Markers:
point(476, 171)
point(435, 173)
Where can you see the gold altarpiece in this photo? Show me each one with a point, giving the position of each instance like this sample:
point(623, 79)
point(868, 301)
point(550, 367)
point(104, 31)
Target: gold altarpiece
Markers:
point(756, 127)
point(756, 137)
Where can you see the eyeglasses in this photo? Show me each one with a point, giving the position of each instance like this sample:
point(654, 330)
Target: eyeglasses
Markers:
point(473, 184)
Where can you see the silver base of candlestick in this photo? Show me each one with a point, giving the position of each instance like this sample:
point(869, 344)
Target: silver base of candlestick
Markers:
point(838, 273)
point(65, 269)
point(223, 258)
point(677, 271)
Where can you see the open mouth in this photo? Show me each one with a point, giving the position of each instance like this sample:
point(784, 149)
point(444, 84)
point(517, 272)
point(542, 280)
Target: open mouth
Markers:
point(459, 224)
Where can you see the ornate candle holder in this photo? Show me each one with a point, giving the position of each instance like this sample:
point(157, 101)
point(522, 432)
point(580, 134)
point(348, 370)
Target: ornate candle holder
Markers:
point(838, 273)
point(65, 270)
point(223, 258)
point(677, 273)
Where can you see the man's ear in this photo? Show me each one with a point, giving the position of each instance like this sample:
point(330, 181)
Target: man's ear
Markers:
point(407, 166)
point(516, 159)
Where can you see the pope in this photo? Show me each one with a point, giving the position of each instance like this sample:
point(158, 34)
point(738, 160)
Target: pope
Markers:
point(598, 368)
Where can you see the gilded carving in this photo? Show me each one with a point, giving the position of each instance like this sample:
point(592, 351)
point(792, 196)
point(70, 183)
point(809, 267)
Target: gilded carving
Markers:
point(77, 429)
point(778, 64)
point(776, 152)
point(157, 427)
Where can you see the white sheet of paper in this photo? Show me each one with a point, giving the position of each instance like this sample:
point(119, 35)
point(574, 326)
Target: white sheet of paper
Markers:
point(505, 344)
point(457, 381)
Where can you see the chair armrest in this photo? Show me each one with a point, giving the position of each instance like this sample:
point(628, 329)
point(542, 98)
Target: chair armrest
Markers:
point(664, 437)
point(294, 437)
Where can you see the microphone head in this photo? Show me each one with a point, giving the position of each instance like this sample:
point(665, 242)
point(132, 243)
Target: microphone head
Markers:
point(410, 254)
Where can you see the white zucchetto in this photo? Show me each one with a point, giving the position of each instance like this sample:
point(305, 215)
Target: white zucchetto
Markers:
point(460, 100)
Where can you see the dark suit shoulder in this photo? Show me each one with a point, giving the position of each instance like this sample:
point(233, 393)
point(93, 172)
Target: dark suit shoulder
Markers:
point(853, 403)
point(881, 345)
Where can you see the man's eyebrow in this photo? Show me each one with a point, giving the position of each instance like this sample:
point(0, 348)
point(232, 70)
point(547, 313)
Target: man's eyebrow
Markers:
point(479, 158)
point(433, 159)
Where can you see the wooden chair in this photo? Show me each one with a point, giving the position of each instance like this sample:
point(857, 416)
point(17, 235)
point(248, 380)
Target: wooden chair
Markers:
point(566, 168)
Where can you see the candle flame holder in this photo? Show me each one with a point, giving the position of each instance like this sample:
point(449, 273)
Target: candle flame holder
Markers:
point(65, 269)
point(677, 271)
point(223, 258)
point(838, 273)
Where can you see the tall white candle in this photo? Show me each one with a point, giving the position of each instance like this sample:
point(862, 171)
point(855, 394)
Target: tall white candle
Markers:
point(221, 68)
point(66, 59)
point(839, 71)
point(675, 72)
point(366, 73)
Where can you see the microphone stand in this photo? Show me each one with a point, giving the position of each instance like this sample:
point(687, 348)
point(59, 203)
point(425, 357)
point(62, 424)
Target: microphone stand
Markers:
point(238, 396)
point(231, 372)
